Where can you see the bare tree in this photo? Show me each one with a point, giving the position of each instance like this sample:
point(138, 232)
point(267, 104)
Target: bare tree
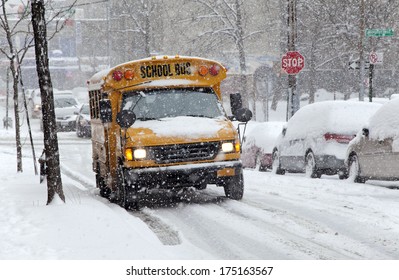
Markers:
point(19, 25)
point(54, 182)
point(12, 55)
point(137, 25)
point(223, 20)
point(330, 35)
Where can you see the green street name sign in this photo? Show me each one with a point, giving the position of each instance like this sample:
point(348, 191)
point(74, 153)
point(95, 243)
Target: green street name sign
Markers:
point(379, 32)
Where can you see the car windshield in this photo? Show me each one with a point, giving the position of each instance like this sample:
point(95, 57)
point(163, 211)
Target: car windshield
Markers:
point(63, 102)
point(165, 103)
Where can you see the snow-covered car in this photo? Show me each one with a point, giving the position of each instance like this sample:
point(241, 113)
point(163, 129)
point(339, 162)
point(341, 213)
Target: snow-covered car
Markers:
point(315, 139)
point(83, 127)
point(258, 146)
point(374, 152)
point(66, 108)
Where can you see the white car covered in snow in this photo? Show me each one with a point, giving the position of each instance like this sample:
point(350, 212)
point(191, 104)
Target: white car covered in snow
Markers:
point(374, 152)
point(258, 145)
point(315, 139)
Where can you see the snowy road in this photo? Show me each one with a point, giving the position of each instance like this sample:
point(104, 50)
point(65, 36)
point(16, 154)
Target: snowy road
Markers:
point(280, 217)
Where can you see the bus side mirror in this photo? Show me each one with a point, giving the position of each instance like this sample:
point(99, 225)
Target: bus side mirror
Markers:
point(125, 118)
point(365, 132)
point(105, 111)
point(235, 102)
point(243, 115)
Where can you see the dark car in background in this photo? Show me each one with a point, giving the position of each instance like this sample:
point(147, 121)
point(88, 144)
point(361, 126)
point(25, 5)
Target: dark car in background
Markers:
point(83, 127)
point(66, 108)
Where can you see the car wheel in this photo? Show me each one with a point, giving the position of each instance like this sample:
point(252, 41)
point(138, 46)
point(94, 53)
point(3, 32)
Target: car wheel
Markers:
point(258, 162)
point(276, 166)
point(126, 196)
point(311, 170)
point(234, 187)
point(78, 132)
point(354, 170)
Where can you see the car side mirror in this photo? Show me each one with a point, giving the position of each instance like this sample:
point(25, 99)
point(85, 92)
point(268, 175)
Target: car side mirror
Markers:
point(105, 111)
point(366, 132)
point(125, 118)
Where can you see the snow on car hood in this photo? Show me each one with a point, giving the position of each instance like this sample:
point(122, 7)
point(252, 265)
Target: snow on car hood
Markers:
point(64, 112)
point(181, 129)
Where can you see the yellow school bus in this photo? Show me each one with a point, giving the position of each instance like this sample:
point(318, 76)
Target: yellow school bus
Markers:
point(158, 123)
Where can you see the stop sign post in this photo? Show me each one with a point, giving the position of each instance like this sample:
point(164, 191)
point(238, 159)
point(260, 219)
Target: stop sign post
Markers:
point(292, 62)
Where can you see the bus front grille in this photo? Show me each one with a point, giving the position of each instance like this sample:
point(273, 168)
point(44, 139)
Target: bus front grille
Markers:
point(185, 152)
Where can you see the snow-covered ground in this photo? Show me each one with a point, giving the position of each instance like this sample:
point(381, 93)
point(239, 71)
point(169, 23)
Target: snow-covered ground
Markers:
point(280, 217)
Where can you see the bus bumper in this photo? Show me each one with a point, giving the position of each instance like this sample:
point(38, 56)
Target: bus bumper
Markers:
point(181, 176)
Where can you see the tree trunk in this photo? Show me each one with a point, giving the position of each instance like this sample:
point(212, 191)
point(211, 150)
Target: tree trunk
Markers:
point(54, 183)
point(13, 68)
point(16, 115)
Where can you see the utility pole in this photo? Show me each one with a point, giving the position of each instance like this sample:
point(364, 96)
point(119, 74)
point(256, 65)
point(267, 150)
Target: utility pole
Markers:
point(293, 100)
point(361, 50)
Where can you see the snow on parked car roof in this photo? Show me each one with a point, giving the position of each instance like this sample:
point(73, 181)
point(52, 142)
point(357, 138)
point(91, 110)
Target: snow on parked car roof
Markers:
point(385, 122)
point(263, 135)
point(344, 117)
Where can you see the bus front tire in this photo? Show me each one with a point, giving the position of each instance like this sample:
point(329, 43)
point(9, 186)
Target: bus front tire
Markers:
point(126, 195)
point(234, 187)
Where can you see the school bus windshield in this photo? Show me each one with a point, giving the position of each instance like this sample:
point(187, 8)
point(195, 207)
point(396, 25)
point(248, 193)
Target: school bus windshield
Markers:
point(165, 103)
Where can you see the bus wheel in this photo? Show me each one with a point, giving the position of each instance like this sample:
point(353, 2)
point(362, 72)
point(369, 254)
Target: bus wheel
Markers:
point(234, 187)
point(104, 190)
point(126, 195)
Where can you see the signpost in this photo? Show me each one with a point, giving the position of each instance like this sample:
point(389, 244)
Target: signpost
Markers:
point(379, 32)
point(292, 62)
point(355, 64)
point(376, 57)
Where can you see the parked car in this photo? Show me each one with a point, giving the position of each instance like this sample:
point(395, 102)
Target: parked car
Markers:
point(258, 146)
point(374, 152)
point(315, 139)
point(66, 108)
point(83, 127)
point(35, 104)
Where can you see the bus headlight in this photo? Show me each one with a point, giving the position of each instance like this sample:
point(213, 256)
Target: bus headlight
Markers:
point(227, 147)
point(139, 153)
point(135, 154)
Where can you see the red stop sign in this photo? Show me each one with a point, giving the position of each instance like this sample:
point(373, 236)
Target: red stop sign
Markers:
point(292, 62)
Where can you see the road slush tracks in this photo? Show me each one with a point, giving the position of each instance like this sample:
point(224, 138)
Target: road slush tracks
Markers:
point(261, 226)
